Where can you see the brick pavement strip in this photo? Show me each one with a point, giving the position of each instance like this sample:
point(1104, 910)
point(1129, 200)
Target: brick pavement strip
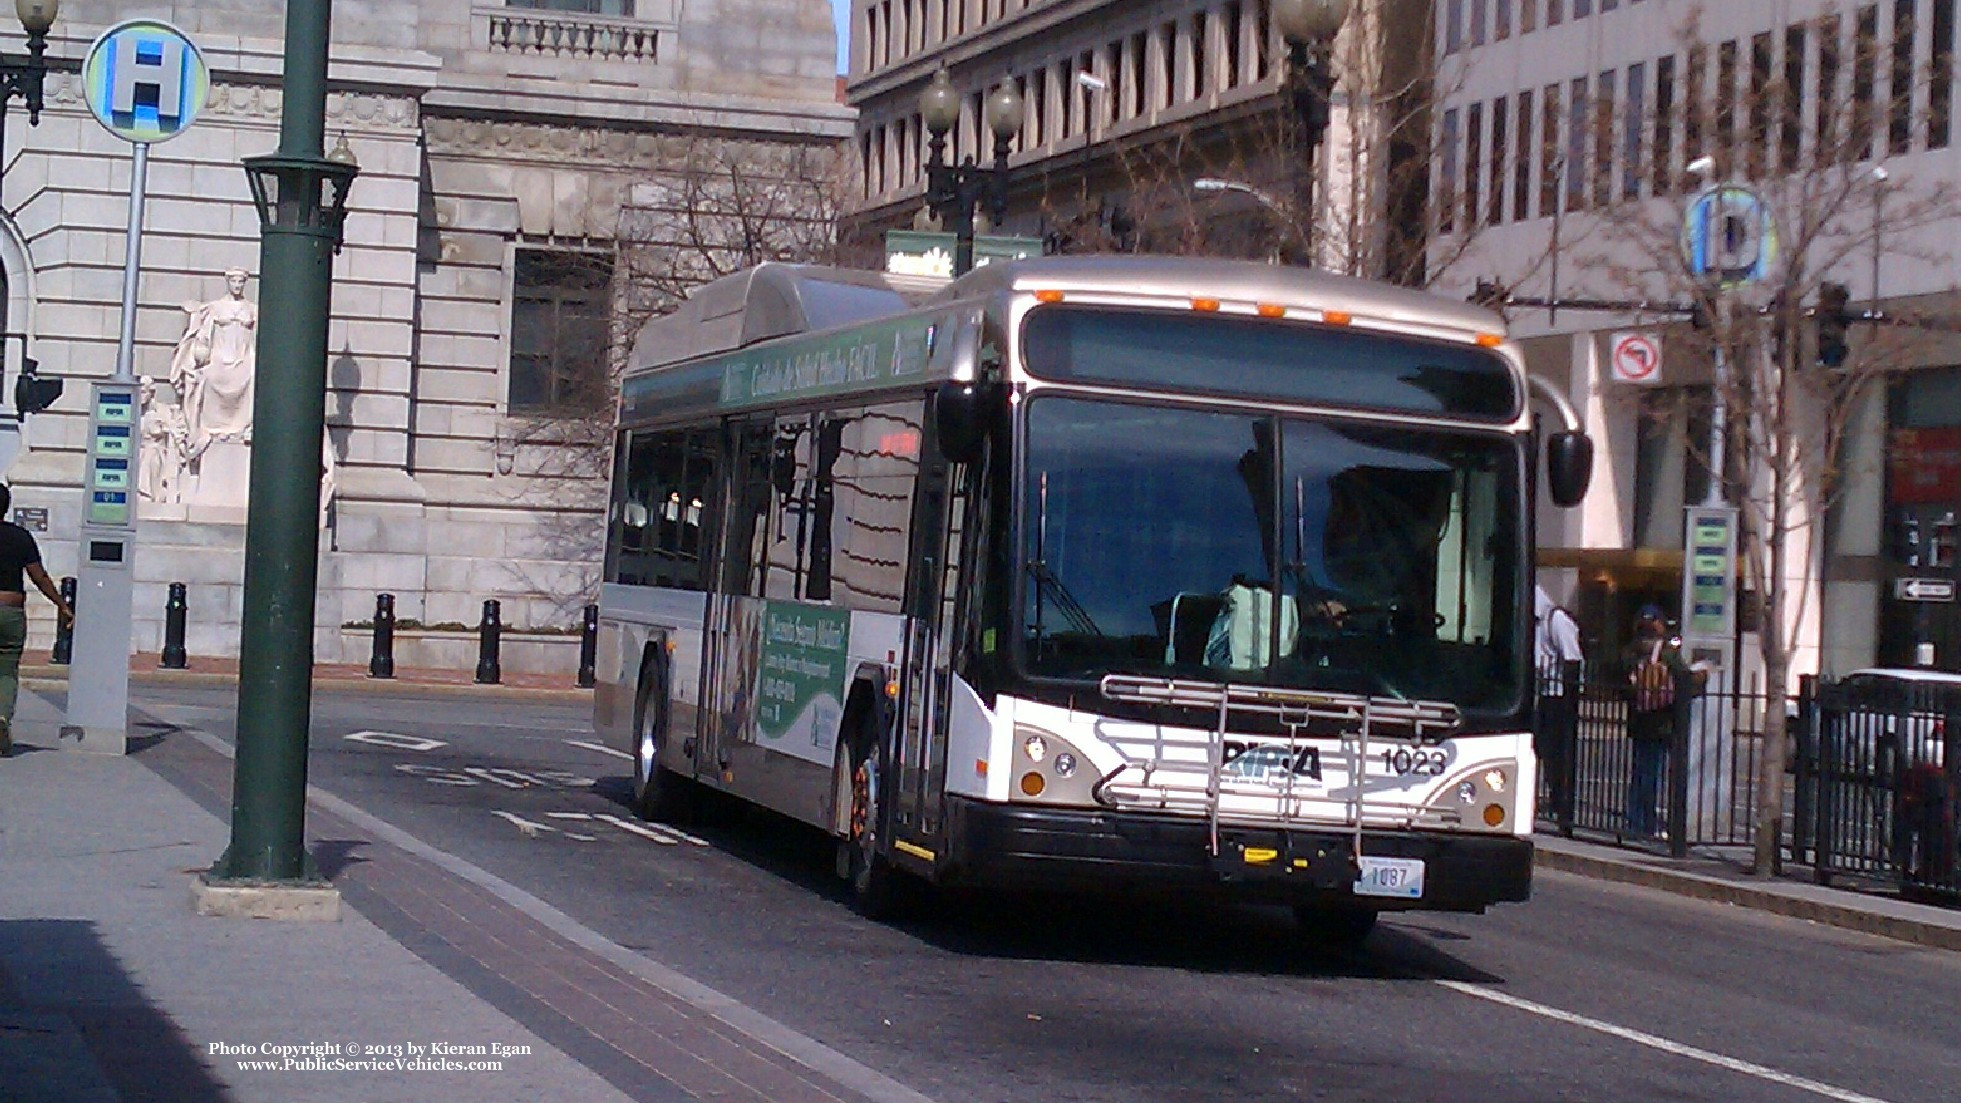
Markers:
point(661, 1042)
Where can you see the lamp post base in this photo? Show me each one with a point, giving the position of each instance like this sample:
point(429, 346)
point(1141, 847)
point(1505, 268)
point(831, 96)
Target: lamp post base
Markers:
point(293, 901)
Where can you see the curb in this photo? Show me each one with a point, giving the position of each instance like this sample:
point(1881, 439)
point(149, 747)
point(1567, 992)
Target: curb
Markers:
point(1716, 890)
point(52, 678)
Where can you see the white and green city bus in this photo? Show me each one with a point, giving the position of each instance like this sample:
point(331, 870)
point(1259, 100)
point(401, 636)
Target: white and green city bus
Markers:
point(1097, 572)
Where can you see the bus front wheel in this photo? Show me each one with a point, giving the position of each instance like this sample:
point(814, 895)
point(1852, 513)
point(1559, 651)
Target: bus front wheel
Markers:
point(877, 889)
point(657, 791)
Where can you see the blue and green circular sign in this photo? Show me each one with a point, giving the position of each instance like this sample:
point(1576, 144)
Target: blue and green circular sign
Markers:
point(145, 81)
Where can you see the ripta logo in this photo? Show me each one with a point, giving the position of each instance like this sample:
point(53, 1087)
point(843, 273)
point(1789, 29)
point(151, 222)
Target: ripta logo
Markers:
point(1247, 759)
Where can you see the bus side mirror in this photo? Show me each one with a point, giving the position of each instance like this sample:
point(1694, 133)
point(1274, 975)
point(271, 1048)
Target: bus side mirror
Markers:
point(1569, 467)
point(963, 412)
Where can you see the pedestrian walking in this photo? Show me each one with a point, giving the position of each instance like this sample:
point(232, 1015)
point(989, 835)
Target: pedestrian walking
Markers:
point(1555, 726)
point(1654, 665)
point(20, 562)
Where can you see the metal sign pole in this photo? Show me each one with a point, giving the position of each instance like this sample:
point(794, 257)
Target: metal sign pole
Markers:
point(98, 677)
point(145, 82)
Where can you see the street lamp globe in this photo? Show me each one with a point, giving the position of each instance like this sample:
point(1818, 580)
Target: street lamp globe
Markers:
point(1004, 112)
point(1303, 21)
point(36, 16)
point(939, 104)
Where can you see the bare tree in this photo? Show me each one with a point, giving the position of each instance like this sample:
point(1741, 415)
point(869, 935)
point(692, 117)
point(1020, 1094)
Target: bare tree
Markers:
point(1780, 456)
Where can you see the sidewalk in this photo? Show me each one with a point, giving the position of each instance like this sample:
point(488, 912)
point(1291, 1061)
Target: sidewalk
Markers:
point(112, 991)
point(147, 668)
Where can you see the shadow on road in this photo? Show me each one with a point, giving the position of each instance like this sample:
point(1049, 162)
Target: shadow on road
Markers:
point(1143, 930)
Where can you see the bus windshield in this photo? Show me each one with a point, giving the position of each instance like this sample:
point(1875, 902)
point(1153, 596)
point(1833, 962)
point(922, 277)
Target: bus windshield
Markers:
point(1315, 554)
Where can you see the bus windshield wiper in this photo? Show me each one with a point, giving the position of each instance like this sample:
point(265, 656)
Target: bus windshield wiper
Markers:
point(1049, 588)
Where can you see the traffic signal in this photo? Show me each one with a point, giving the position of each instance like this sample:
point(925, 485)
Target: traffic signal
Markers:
point(32, 394)
point(1831, 317)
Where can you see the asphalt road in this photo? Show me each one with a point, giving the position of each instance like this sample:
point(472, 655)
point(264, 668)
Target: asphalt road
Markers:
point(1589, 992)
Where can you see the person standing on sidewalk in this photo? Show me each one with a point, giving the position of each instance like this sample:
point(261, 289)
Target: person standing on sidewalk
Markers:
point(1654, 666)
point(1556, 727)
point(20, 562)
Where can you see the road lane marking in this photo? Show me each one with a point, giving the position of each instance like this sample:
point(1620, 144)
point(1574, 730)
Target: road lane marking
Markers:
point(601, 748)
point(1655, 1041)
point(395, 742)
point(640, 829)
point(568, 815)
point(509, 779)
point(533, 829)
point(663, 831)
point(434, 775)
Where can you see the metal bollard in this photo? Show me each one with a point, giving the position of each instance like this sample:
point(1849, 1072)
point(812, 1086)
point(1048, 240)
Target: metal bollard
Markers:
point(64, 634)
point(589, 648)
point(381, 663)
point(489, 638)
point(175, 657)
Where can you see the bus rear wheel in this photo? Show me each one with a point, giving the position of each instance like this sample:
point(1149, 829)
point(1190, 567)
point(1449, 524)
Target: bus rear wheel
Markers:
point(657, 791)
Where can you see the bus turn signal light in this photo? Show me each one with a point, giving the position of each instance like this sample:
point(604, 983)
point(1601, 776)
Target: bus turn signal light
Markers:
point(1337, 317)
point(1032, 784)
point(1048, 296)
point(1490, 340)
point(1207, 305)
point(1494, 814)
point(1272, 310)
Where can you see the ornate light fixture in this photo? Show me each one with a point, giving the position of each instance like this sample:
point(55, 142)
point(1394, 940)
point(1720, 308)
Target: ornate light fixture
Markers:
point(24, 76)
point(306, 195)
point(954, 192)
point(1309, 28)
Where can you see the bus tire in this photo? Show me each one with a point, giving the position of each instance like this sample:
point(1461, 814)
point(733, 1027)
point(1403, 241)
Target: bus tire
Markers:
point(658, 792)
point(1335, 926)
point(878, 889)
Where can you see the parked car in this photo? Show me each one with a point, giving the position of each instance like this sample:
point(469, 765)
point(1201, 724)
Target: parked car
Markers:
point(1894, 710)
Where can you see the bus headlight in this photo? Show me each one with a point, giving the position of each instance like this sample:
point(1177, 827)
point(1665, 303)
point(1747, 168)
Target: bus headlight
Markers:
point(1467, 793)
point(1494, 780)
point(1050, 769)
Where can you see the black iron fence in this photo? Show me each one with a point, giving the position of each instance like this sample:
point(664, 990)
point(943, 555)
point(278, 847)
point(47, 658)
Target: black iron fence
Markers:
point(1869, 786)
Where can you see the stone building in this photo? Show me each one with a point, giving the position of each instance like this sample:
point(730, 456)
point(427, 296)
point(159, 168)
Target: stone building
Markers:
point(1128, 105)
point(479, 306)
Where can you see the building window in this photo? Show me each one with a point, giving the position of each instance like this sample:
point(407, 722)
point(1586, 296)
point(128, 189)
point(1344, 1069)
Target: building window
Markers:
point(1576, 146)
point(1603, 140)
point(1555, 11)
point(1791, 133)
point(1522, 160)
point(1865, 75)
point(1501, 14)
point(1664, 148)
point(1447, 174)
point(1473, 164)
point(1828, 101)
point(1726, 57)
point(1899, 129)
point(561, 323)
point(1454, 26)
point(1940, 89)
point(1756, 158)
point(621, 8)
point(1478, 14)
point(1500, 143)
point(1634, 113)
point(1550, 161)
point(1528, 16)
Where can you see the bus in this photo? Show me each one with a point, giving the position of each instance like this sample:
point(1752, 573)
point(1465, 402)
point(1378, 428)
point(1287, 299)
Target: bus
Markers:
point(1090, 573)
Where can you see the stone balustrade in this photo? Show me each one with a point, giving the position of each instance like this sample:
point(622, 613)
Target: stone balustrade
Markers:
point(571, 35)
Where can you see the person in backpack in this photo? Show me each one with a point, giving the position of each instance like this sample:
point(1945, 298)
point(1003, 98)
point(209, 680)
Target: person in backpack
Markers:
point(1654, 664)
point(1556, 642)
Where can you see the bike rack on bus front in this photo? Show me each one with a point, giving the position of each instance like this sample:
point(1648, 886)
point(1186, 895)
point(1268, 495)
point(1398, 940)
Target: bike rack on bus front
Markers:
point(1354, 718)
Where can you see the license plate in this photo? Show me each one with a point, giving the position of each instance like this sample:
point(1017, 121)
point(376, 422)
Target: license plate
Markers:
point(1398, 877)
